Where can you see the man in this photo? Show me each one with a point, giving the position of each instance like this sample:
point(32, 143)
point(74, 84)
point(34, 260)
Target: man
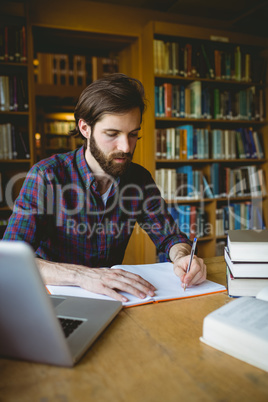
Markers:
point(78, 209)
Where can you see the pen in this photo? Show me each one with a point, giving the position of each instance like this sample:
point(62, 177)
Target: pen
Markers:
point(191, 258)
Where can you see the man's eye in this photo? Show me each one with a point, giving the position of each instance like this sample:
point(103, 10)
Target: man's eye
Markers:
point(134, 135)
point(111, 134)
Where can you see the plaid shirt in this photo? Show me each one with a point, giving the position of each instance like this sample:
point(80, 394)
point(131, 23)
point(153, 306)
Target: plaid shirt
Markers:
point(62, 215)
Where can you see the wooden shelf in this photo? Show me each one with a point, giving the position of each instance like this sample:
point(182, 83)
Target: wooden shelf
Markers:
point(3, 209)
point(205, 238)
point(190, 200)
point(15, 113)
point(241, 198)
point(174, 78)
point(57, 135)
point(13, 64)
point(59, 91)
point(204, 161)
point(208, 121)
point(55, 40)
point(14, 161)
point(221, 237)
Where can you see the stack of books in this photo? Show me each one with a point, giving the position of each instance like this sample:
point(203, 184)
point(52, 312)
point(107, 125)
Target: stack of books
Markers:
point(246, 257)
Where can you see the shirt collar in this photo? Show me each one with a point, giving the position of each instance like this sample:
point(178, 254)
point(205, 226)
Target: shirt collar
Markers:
point(87, 175)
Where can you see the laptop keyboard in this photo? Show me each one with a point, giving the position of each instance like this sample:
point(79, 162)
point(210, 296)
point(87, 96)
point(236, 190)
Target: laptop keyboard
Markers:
point(69, 325)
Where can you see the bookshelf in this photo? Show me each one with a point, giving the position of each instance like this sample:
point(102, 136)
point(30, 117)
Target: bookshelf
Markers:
point(65, 62)
point(99, 44)
point(16, 145)
point(198, 104)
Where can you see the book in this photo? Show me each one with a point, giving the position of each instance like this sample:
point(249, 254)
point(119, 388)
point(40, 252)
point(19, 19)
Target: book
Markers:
point(238, 287)
point(168, 99)
point(1, 189)
point(248, 245)
point(246, 269)
point(23, 148)
point(160, 275)
point(4, 94)
point(240, 329)
point(45, 68)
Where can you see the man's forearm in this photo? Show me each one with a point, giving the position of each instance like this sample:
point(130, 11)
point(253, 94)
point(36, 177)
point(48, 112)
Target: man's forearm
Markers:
point(179, 250)
point(55, 273)
point(99, 280)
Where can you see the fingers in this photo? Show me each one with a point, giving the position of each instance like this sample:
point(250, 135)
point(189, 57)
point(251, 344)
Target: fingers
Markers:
point(197, 273)
point(128, 282)
point(112, 293)
point(110, 281)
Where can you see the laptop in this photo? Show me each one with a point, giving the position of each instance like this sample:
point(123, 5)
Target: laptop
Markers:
point(36, 326)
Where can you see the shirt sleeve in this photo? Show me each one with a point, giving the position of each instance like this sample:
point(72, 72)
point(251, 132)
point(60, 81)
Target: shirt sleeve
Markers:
point(28, 221)
point(158, 222)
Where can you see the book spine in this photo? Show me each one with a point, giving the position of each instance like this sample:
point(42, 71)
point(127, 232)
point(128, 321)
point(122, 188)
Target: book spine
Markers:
point(168, 99)
point(23, 45)
point(4, 94)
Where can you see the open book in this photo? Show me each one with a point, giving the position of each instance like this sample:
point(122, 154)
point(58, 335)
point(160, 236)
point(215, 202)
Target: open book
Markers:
point(240, 329)
point(160, 275)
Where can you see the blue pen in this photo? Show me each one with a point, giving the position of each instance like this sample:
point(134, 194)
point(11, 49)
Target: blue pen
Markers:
point(191, 258)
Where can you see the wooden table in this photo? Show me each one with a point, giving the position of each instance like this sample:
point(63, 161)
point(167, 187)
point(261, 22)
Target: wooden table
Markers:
point(148, 353)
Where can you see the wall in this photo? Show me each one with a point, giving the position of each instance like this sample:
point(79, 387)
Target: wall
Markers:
point(91, 16)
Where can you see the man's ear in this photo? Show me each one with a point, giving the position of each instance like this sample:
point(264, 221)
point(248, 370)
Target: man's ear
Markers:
point(84, 128)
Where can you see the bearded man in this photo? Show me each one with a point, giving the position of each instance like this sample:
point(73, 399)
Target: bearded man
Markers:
point(78, 209)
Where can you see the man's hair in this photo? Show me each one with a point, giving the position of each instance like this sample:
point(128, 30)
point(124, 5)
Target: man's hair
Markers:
point(113, 94)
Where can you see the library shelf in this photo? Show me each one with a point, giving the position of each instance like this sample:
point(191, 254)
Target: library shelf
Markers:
point(186, 71)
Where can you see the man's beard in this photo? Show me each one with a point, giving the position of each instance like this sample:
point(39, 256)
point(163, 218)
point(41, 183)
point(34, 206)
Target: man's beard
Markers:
point(107, 162)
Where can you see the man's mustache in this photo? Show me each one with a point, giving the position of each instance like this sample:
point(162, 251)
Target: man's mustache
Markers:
point(122, 155)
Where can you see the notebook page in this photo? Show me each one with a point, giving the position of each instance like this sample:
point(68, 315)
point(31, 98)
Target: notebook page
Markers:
point(76, 291)
point(161, 275)
point(168, 285)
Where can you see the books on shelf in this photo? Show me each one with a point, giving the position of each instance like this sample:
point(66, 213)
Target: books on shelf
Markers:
point(181, 183)
point(248, 245)
point(240, 329)
point(203, 59)
point(161, 275)
point(188, 142)
point(4, 94)
point(1, 189)
point(239, 182)
point(197, 101)
point(187, 182)
point(61, 127)
point(60, 69)
point(14, 144)
point(102, 66)
point(73, 70)
point(13, 44)
point(190, 219)
point(223, 145)
point(13, 93)
point(236, 216)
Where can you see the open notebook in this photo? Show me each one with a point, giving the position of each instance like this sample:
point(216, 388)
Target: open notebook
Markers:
point(160, 275)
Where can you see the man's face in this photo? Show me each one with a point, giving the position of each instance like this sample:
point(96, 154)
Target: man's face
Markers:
point(113, 140)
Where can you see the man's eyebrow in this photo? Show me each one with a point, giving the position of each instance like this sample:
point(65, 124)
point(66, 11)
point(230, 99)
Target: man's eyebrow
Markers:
point(118, 131)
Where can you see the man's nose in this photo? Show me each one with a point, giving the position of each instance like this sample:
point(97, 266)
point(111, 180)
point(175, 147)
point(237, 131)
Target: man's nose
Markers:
point(123, 144)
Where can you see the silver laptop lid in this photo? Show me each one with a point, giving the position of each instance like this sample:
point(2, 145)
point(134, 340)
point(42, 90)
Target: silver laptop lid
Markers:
point(30, 329)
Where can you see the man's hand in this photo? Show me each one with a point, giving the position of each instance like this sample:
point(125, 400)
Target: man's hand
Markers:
point(108, 281)
point(197, 273)
point(98, 280)
point(180, 256)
